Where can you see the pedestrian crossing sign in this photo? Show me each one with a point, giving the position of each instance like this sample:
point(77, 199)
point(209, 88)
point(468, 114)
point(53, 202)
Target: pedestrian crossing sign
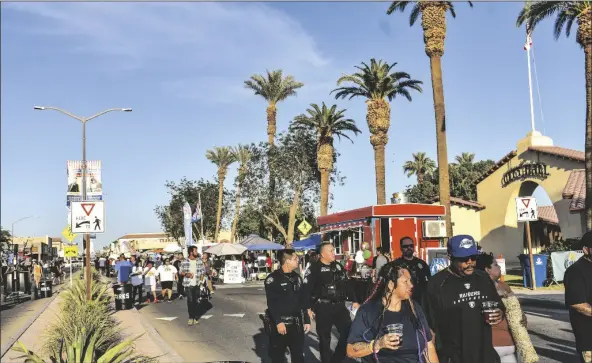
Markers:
point(70, 251)
point(67, 233)
point(304, 227)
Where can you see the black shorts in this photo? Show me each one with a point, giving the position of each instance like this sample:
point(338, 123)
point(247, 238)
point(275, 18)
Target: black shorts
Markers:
point(166, 285)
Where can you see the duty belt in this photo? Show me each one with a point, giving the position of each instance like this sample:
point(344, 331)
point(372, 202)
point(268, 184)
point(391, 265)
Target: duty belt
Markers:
point(289, 320)
point(326, 301)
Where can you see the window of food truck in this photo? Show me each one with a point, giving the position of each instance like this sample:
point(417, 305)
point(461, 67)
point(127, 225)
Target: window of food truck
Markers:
point(356, 239)
point(337, 241)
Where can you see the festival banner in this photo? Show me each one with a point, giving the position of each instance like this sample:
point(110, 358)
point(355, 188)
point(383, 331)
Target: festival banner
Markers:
point(187, 224)
point(562, 260)
point(94, 182)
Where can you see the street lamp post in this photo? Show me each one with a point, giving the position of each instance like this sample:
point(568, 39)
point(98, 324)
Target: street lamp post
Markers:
point(84, 120)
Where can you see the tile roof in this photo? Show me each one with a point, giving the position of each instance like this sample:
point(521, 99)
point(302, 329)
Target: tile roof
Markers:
point(497, 165)
point(575, 189)
point(462, 202)
point(560, 152)
point(547, 214)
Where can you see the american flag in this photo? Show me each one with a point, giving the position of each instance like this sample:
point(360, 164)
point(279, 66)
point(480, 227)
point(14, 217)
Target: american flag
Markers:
point(528, 42)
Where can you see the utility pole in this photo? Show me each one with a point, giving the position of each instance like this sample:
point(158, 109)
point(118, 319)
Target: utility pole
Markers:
point(83, 120)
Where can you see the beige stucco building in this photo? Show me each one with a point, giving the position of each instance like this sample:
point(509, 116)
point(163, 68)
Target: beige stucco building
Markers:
point(536, 162)
point(158, 241)
point(38, 248)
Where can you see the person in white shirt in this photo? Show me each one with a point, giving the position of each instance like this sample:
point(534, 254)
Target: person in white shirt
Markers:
point(137, 278)
point(102, 263)
point(168, 274)
point(150, 274)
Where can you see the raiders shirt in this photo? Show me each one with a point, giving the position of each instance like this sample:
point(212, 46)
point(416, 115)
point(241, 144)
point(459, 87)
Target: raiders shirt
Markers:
point(454, 306)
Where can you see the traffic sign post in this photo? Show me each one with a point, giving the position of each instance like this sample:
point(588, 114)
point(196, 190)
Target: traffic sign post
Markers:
point(88, 217)
point(527, 211)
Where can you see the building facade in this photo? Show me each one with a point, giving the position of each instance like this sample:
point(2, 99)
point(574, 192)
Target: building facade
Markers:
point(38, 248)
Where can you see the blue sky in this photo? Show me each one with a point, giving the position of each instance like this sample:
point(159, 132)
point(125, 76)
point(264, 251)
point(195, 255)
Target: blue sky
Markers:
point(181, 67)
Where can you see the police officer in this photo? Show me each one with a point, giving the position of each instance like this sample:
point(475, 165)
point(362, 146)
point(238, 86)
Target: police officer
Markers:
point(326, 289)
point(286, 317)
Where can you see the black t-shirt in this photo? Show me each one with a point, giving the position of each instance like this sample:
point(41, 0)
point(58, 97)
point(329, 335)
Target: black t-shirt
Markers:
point(454, 311)
point(578, 290)
point(365, 328)
point(420, 275)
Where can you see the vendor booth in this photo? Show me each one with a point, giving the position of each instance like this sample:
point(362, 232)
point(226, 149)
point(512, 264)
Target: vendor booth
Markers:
point(384, 226)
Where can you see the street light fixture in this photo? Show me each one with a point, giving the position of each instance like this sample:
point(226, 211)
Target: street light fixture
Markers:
point(84, 120)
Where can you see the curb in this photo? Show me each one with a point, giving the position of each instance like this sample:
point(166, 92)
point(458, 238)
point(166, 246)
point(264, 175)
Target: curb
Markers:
point(155, 336)
point(6, 346)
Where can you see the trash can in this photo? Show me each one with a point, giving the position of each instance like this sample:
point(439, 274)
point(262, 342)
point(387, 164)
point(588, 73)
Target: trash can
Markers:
point(45, 289)
point(123, 296)
point(540, 269)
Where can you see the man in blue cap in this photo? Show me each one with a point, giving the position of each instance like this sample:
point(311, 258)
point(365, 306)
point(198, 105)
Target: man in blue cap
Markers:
point(462, 305)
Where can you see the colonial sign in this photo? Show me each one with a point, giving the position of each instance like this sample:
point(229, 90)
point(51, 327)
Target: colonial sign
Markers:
point(525, 171)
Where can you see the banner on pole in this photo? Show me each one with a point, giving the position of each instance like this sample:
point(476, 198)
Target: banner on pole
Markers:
point(187, 224)
point(94, 182)
point(562, 260)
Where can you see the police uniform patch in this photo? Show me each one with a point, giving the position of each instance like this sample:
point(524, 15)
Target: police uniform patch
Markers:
point(269, 280)
point(338, 266)
point(419, 265)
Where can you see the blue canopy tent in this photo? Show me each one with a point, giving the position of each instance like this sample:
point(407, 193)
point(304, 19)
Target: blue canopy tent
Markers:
point(307, 244)
point(255, 243)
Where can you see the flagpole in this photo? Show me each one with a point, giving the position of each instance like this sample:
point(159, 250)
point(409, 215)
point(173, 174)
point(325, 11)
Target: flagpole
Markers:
point(203, 238)
point(527, 47)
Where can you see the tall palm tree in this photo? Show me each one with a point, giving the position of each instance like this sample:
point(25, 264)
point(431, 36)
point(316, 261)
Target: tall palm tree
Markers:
point(421, 165)
point(568, 12)
point(326, 123)
point(433, 22)
point(223, 158)
point(378, 82)
point(465, 158)
point(242, 154)
point(274, 88)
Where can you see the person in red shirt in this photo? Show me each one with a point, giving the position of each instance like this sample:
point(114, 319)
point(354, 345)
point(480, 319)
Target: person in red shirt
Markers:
point(268, 261)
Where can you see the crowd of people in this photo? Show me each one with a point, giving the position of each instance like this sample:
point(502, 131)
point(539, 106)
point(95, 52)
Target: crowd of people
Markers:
point(463, 314)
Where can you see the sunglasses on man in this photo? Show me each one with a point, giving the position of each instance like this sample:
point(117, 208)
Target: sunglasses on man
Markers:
point(406, 246)
point(466, 259)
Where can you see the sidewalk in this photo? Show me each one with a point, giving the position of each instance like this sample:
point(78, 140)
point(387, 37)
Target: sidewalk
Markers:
point(132, 325)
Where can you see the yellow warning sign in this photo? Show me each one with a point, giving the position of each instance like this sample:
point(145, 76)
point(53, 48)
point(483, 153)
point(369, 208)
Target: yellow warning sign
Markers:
point(67, 233)
point(304, 227)
point(70, 251)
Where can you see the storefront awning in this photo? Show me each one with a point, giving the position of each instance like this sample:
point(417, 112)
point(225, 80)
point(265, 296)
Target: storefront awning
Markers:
point(343, 226)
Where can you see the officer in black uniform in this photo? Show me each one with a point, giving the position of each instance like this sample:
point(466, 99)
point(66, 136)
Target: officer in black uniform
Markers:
point(418, 268)
point(286, 318)
point(326, 288)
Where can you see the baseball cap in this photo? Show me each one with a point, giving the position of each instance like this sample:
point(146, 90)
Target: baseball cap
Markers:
point(587, 239)
point(462, 245)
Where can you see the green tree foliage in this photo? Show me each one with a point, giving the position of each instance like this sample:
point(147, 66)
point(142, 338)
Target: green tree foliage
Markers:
point(462, 181)
point(171, 214)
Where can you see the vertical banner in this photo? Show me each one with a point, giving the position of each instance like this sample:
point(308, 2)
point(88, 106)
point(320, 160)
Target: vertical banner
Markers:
point(94, 182)
point(187, 224)
point(562, 260)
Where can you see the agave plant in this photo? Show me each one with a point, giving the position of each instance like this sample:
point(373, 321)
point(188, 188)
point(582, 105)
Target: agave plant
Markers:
point(76, 295)
point(83, 350)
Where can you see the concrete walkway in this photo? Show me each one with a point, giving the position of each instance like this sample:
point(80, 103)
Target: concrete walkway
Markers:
point(132, 325)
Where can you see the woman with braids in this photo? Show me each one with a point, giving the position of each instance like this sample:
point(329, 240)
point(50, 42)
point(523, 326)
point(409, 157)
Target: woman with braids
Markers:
point(390, 303)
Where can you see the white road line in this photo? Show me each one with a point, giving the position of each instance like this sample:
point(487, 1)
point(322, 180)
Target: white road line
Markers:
point(169, 318)
point(206, 317)
point(235, 315)
point(538, 314)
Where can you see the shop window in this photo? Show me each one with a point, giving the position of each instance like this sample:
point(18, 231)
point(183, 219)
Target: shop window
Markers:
point(337, 243)
point(357, 238)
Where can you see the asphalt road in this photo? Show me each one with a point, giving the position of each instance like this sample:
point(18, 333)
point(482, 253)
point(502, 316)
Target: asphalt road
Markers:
point(232, 330)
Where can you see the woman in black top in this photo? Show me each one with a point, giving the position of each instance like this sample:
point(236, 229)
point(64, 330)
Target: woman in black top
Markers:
point(390, 303)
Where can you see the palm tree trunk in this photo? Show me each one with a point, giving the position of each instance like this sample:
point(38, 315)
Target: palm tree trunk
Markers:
point(588, 143)
point(420, 178)
point(324, 191)
point(380, 173)
point(292, 216)
point(236, 213)
point(442, 148)
point(271, 123)
point(221, 178)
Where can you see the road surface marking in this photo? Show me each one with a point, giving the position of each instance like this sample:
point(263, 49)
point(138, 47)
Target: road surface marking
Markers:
point(538, 314)
point(169, 318)
point(206, 317)
point(235, 315)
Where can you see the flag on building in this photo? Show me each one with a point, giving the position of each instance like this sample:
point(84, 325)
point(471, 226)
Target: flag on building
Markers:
point(528, 42)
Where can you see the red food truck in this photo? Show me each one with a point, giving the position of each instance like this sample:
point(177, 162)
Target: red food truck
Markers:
point(384, 226)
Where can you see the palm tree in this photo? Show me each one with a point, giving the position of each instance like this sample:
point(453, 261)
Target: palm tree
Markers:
point(568, 12)
point(242, 154)
point(274, 88)
point(326, 123)
point(378, 82)
point(433, 22)
point(421, 165)
point(465, 158)
point(222, 157)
